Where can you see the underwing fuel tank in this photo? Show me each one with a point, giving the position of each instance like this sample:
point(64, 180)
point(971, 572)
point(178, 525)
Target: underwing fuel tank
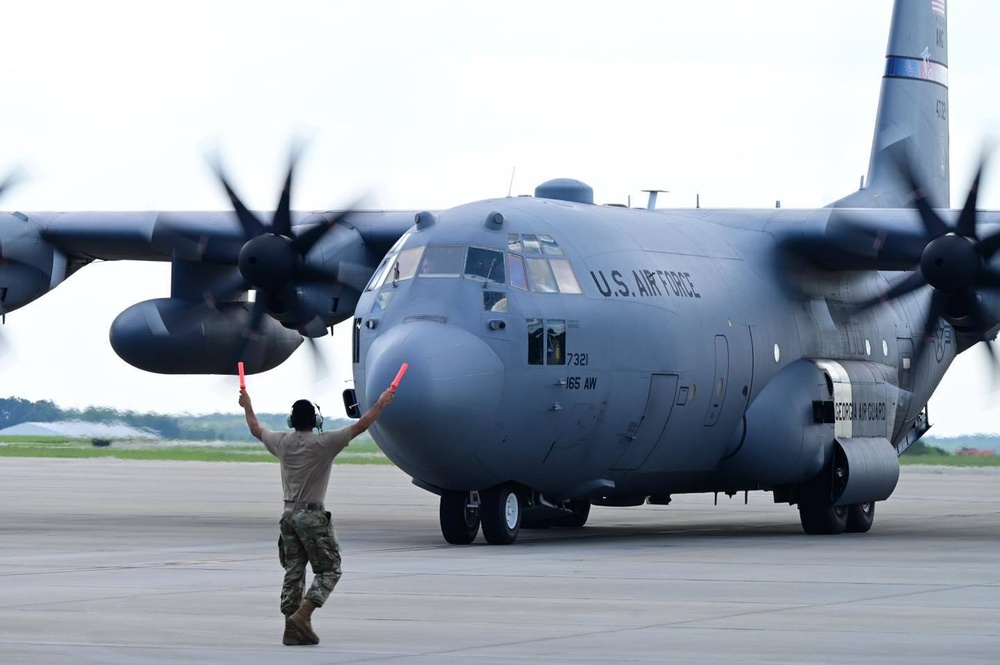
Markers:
point(176, 336)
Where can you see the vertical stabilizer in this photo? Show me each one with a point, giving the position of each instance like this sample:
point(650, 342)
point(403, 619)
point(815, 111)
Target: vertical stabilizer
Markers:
point(912, 121)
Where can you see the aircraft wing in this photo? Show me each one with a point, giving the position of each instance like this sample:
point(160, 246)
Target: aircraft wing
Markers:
point(306, 269)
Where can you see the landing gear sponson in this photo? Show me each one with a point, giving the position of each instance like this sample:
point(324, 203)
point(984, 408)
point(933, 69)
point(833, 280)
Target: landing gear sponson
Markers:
point(819, 514)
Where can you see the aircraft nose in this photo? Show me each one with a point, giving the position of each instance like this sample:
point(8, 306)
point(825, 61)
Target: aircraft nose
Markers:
point(446, 404)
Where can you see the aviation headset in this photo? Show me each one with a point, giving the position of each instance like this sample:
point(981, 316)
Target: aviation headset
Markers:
point(305, 408)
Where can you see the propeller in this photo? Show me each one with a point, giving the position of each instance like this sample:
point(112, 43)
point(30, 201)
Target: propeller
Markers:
point(8, 182)
point(953, 260)
point(271, 259)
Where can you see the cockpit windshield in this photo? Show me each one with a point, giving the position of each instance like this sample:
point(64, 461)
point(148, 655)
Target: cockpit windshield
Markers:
point(531, 263)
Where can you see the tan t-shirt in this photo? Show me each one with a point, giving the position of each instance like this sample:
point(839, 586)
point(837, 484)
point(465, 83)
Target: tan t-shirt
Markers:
point(306, 459)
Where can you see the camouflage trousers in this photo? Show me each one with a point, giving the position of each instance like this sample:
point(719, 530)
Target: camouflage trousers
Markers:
point(307, 536)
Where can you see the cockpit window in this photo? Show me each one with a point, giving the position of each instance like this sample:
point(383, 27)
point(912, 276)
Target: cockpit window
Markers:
point(546, 341)
point(383, 269)
point(399, 244)
point(541, 276)
point(494, 301)
point(536, 342)
point(518, 277)
point(531, 244)
point(514, 243)
point(442, 261)
point(564, 276)
point(382, 301)
point(549, 246)
point(406, 265)
point(555, 342)
point(487, 264)
point(388, 264)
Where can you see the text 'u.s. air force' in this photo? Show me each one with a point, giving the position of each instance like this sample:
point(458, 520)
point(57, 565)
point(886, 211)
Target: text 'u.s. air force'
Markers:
point(645, 284)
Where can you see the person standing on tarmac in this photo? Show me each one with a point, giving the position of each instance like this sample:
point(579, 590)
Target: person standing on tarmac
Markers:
point(307, 535)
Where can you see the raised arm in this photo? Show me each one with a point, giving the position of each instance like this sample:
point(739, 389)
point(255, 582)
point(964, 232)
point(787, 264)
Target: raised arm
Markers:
point(252, 421)
point(365, 421)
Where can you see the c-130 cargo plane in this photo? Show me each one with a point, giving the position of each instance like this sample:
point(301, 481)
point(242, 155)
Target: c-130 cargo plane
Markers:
point(794, 350)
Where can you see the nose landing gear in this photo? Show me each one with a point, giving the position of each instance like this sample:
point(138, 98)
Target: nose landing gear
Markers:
point(498, 509)
point(503, 511)
point(459, 515)
point(501, 515)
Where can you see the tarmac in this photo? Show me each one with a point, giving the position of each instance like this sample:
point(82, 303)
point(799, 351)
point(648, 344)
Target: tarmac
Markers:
point(111, 561)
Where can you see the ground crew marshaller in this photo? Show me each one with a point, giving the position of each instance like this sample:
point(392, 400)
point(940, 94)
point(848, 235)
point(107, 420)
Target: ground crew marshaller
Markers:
point(307, 535)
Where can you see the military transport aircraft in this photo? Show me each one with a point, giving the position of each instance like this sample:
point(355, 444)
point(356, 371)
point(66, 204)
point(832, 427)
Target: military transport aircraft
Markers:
point(789, 351)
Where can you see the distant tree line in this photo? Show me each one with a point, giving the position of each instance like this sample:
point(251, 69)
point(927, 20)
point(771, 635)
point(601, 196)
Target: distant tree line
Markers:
point(211, 427)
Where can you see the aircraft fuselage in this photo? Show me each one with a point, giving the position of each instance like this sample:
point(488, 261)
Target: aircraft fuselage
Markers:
point(635, 373)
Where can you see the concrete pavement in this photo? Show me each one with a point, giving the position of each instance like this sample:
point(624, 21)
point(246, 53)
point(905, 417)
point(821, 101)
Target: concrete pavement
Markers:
point(111, 561)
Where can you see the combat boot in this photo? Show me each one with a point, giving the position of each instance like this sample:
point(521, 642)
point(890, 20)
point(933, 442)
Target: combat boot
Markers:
point(302, 621)
point(292, 636)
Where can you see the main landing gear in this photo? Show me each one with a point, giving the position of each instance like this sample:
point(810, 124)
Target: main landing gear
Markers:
point(819, 515)
point(502, 511)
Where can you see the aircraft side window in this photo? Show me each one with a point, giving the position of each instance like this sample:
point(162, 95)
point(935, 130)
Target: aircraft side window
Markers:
point(382, 301)
point(541, 276)
point(515, 268)
point(514, 243)
point(494, 301)
point(536, 342)
point(442, 261)
point(564, 276)
point(486, 264)
point(549, 246)
point(555, 342)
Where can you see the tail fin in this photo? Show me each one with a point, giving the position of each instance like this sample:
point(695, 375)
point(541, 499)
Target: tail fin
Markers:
point(912, 122)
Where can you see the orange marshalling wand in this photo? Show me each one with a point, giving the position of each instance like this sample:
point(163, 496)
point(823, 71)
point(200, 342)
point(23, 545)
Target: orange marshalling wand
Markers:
point(243, 380)
point(399, 376)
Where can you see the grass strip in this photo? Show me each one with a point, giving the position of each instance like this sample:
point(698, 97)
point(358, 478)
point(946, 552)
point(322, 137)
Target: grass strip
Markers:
point(364, 453)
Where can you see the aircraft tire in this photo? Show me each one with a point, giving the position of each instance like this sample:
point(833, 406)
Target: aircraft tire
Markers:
point(581, 511)
point(500, 514)
point(860, 517)
point(817, 513)
point(459, 523)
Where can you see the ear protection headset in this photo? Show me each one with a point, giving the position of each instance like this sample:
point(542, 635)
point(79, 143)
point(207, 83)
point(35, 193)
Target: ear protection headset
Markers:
point(317, 414)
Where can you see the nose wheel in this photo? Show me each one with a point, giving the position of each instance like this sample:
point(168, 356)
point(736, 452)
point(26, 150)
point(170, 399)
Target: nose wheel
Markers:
point(501, 514)
point(498, 509)
point(459, 515)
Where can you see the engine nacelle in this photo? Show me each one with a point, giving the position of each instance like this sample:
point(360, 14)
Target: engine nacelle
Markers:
point(175, 336)
point(29, 266)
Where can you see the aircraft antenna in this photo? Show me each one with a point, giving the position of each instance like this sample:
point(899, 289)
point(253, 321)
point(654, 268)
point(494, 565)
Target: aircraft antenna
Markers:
point(651, 203)
point(510, 187)
point(697, 200)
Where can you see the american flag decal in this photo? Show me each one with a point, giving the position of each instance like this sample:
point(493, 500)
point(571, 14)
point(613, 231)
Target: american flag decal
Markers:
point(938, 7)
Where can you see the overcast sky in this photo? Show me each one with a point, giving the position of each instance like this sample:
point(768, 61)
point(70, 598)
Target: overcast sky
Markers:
point(113, 105)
